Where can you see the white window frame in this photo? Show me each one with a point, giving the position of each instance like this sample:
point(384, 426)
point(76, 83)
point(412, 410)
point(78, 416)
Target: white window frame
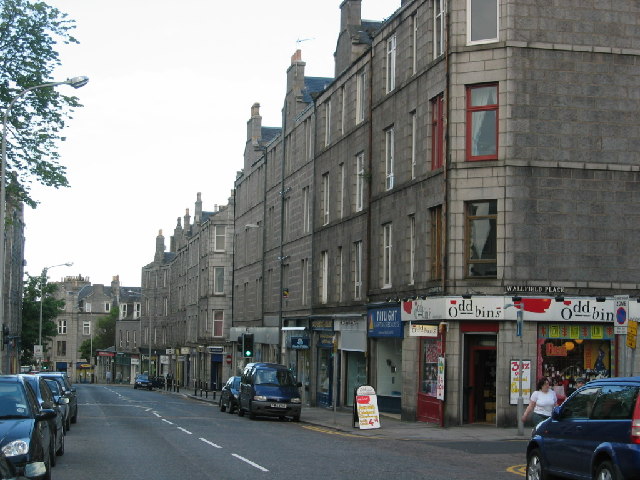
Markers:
point(86, 328)
point(341, 172)
point(107, 307)
point(357, 270)
point(339, 274)
point(469, 21)
point(218, 285)
point(324, 277)
point(438, 27)
point(359, 182)
point(391, 63)
point(412, 249)
point(326, 196)
point(414, 143)
point(360, 96)
point(62, 327)
point(414, 46)
point(220, 234)
point(387, 248)
point(327, 123)
point(216, 321)
point(306, 213)
point(343, 109)
point(389, 153)
point(305, 280)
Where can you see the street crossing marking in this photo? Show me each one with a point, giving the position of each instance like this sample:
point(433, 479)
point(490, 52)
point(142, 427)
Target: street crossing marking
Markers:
point(518, 470)
point(250, 462)
point(185, 430)
point(210, 443)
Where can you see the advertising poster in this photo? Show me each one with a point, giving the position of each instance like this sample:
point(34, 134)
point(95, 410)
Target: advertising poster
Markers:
point(367, 407)
point(515, 381)
point(440, 385)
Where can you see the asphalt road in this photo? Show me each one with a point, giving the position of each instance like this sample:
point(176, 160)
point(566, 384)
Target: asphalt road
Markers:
point(136, 434)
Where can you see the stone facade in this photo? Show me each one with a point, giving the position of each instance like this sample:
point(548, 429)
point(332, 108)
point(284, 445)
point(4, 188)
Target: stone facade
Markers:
point(186, 292)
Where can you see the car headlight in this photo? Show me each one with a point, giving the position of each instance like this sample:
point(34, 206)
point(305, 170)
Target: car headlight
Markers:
point(17, 447)
point(260, 398)
point(295, 400)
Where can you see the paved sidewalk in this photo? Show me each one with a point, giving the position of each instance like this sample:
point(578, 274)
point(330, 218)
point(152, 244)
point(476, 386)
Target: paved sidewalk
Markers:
point(341, 420)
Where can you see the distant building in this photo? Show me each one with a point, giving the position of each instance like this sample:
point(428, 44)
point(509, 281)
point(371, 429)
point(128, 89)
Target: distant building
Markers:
point(186, 297)
point(85, 305)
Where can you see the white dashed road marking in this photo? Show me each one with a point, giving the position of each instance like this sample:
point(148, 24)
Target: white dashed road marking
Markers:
point(185, 430)
point(167, 421)
point(210, 443)
point(250, 462)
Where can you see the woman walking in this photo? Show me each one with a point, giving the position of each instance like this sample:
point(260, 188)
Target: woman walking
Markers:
point(541, 403)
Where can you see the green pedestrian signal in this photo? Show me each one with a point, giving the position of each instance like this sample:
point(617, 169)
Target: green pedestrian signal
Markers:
point(247, 344)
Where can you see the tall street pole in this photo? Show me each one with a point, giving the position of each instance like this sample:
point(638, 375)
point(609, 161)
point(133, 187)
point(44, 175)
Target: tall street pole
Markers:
point(75, 82)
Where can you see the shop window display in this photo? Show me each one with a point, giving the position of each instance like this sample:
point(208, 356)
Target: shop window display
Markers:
point(566, 352)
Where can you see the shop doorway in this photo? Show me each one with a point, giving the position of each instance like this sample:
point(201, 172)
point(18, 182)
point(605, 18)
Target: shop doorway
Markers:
point(479, 398)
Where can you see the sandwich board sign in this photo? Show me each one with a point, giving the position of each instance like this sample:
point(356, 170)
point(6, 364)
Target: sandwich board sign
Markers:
point(365, 408)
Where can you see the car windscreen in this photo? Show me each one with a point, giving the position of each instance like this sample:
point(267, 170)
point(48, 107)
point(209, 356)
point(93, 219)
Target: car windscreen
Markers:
point(13, 403)
point(53, 385)
point(282, 378)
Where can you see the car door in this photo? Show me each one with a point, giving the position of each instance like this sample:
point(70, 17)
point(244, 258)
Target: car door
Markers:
point(566, 435)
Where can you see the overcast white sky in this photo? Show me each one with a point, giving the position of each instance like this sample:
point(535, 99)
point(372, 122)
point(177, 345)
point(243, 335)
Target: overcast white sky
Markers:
point(164, 117)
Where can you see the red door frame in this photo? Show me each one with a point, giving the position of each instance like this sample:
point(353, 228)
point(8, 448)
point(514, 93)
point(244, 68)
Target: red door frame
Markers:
point(476, 328)
point(430, 409)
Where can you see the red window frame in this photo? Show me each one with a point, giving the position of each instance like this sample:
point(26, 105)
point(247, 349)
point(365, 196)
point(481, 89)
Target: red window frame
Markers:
point(481, 108)
point(437, 132)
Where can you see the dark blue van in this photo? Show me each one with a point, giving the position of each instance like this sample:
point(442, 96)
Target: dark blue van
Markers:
point(594, 434)
point(269, 389)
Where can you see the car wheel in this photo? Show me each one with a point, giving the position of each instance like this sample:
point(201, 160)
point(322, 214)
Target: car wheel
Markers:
point(606, 471)
point(74, 419)
point(222, 407)
point(232, 407)
point(240, 411)
point(67, 425)
point(60, 450)
point(535, 471)
point(47, 466)
point(296, 418)
point(135, 387)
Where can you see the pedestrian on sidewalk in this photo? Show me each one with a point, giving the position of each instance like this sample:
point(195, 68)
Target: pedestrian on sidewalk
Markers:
point(541, 402)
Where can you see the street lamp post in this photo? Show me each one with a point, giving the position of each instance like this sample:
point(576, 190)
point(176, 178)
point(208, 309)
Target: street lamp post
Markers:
point(519, 325)
point(75, 82)
point(43, 281)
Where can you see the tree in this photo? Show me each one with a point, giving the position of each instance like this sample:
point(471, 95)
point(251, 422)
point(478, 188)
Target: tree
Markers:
point(29, 32)
point(51, 308)
point(104, 337)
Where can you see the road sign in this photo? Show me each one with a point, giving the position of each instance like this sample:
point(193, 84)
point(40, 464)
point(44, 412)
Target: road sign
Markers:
point(632, 333)
point(621, 312)
point(37, 351)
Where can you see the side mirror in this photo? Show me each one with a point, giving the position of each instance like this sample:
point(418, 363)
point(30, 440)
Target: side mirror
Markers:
point(62, 400)
point(45, 414)
point(555, 414)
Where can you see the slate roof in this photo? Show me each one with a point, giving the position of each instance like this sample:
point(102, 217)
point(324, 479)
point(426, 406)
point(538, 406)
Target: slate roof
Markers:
point(314, 85)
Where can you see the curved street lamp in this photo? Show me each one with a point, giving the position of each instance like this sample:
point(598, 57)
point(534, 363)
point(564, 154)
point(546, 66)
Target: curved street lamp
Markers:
point(75, 82)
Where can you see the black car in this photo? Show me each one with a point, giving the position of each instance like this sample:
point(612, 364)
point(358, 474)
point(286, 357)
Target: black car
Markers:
point(46, 400)
point(68, 389)
point(61, 401)
point(143, 381)
point(229, 395)
point(24, 428)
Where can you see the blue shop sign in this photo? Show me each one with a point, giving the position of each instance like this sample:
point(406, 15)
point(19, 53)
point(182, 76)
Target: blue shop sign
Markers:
point(384, 322)
point(299, 343)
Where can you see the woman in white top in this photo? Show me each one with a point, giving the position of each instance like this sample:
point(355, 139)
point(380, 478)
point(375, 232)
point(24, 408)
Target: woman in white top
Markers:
point(541, 403)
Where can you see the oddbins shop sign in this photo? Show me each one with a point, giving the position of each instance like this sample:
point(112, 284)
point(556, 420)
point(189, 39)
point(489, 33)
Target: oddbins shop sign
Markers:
point(367, 407)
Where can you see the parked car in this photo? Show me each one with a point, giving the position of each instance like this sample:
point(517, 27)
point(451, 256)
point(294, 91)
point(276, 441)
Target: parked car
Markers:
point(62, 402)
point(594, 434)
point(46, 400)
point(269, 389)
point(24, 428)
point(157, 382)
point(68, 389)
point(229, 395)
point(143, 381)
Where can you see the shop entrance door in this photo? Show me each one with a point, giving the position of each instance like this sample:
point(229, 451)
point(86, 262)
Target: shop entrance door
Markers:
point(480, 379)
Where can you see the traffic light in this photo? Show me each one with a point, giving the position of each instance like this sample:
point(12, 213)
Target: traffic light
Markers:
point(247, 345)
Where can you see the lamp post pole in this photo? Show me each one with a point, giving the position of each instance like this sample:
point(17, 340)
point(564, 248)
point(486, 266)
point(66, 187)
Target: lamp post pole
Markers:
point(75, 82)
point(43, 281)
point(520, 407)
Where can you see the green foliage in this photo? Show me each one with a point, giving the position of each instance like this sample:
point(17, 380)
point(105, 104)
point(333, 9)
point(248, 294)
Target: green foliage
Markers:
point(29, 31)
point(51, 308)
point(104, 335)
